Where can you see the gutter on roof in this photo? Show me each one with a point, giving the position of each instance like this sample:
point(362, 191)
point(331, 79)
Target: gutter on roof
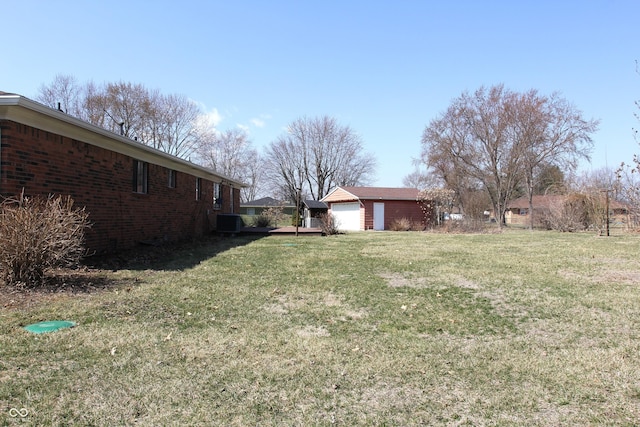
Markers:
point(55, 121)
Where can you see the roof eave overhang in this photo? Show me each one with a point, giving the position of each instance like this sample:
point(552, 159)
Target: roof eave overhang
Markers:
point(22, 110)
point(355, 198)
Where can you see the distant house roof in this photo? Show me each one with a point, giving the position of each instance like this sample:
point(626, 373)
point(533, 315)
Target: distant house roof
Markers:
point(539, 202)
point(369, 193)
point(266, 202)
point(315, 204)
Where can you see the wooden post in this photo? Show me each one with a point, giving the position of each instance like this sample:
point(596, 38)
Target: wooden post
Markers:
point(297, 210)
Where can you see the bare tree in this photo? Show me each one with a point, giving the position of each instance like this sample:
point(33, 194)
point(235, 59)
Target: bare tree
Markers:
point(497, 139)
point(93, 105)
point(231, 153)
point(64, 93)
point(253, 176)
point(628, 175)
point(315, 156)
point(470, 140)
point(284, 167)
point(171, 120)
point(628, 185)
point(421, 180)
point(166, 122)
point(127, 106)
point(550, 131)
point(594, 181)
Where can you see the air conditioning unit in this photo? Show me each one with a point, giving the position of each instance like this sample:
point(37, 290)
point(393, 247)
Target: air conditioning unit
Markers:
point(228, 223)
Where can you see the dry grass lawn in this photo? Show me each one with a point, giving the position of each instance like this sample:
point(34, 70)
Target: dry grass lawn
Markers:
point(394, 328)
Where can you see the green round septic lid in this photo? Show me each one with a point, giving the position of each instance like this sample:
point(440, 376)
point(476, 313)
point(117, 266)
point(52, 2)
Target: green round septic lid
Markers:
point(49, 326)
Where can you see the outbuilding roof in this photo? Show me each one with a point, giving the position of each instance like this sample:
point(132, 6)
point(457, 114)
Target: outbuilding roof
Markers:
point(315, 204)
point(370, 193)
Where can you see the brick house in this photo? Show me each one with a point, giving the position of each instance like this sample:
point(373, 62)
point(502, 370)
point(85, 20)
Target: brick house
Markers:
point(133, 193)
point(373, 208)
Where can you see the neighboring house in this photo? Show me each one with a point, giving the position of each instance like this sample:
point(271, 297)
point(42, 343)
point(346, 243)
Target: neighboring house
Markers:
point(518, 210)
point(257, 207)
point(373, 208)
point(313, 211)
point(132, 193)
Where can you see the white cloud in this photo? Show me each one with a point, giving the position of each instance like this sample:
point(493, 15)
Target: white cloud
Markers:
point(214, 117)
point(243, 127)
point(261, 120)
point(259, 123)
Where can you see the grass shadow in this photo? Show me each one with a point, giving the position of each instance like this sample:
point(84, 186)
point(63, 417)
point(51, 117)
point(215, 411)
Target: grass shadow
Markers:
point(94, 273)
point(170, 256)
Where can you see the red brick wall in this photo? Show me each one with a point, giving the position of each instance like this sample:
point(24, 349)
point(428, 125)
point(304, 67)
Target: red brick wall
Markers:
point(393, 210)
point(100, 180)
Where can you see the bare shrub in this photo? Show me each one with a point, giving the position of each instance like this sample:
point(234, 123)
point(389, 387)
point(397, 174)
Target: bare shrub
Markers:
point(417, 226)
point(628, 182)
point(261, 221)
point(400, 224)
point(578, 212)
point(274, 213)
point(434, 202)
point(467, 225)
point(328, 224)
point(270, 217)
point(39, 233)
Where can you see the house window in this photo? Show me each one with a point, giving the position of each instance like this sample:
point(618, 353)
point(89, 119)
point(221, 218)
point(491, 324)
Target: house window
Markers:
point(171, 178)
point(198, 188)
point(524, 211)
point(217, 195)
point(140, 176)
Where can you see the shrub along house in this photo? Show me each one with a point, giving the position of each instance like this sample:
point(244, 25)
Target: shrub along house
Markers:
point(133, 193)
point(373, 208)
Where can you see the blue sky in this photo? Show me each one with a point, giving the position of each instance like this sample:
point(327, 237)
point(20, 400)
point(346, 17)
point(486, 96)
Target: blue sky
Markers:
point(384, 68)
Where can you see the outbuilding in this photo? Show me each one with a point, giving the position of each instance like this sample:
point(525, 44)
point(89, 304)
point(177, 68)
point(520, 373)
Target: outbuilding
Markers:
point(373, 208)
point(313, 212)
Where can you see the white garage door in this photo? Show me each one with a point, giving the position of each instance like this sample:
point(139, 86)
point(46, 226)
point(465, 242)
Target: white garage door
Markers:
point(347, 216)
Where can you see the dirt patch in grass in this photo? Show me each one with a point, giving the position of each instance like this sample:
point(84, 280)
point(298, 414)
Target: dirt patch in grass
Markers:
point(397, 280)
point(623, 277)
point(463, 282)
point(497, 298)
point(286, 304)
point(313, 331)
point(604, 276)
